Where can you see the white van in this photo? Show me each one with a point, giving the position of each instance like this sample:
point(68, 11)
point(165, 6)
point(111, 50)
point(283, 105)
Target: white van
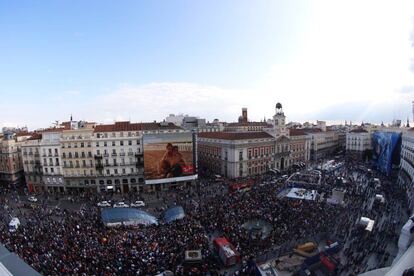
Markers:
point(14, 224)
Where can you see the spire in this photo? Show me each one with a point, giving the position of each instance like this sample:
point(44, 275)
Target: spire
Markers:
point(71, 119)
point(408, 123)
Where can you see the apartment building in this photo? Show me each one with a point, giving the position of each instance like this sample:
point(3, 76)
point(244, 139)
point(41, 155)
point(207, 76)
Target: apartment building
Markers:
point(51, 161)
point(11, 165)
point(236, 154)
point(32, 162)
point(323, 143)
point(358, 144)
point(77, 159)
point(300, 144)
point(406, 173)
point(118, 154)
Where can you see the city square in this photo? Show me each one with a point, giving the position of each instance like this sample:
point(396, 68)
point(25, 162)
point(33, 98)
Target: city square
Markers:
point(215, 138)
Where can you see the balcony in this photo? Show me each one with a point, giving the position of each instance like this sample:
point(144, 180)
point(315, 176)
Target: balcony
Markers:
point(106, 155)
point(130, 153)
point(114, 154)
point(138, 154)
point(122, 154)
point(99, 166)
point(36, 155)
point(97, 156)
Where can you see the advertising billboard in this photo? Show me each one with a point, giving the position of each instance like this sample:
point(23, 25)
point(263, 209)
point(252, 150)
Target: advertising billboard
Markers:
point(386, 147)
point(169, 157)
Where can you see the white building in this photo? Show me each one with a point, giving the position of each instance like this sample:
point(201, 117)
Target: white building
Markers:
point(236, 154)
point(51, 160)
point(406, 174)
point(358, 143)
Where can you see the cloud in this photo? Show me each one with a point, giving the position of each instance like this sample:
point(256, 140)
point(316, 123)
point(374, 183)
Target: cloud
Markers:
point(155, 101)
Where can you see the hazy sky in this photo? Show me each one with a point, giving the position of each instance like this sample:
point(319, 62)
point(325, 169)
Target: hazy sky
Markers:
point(142, 60)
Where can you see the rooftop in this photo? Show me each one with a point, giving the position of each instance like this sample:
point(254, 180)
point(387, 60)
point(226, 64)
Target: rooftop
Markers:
point(127, 126)
point(296, 132)
point(359, 130)
point(264, 124)
point(234, 135)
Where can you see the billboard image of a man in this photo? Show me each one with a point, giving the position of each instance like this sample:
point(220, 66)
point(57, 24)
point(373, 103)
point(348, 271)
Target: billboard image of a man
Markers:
point(168, 156)
point(172, 162)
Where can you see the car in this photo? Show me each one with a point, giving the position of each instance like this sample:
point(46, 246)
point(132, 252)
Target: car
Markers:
point(32, 199)
point(121, 205)
point(138, 203)
point(104, 204)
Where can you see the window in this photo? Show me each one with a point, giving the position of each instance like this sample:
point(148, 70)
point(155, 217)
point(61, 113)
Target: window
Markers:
point(97, 144)
point(240, 155)
point(113, 143)
point(82, 144)
point(46, 170)
point(116, 171)
point(52, 170)
point(105, 144)
point(121, 143)
point(129, 143)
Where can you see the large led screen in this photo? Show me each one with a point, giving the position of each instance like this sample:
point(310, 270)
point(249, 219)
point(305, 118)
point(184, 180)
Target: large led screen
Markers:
point(169, 157)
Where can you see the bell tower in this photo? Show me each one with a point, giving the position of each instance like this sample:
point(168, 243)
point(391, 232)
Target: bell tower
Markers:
point(279, 122)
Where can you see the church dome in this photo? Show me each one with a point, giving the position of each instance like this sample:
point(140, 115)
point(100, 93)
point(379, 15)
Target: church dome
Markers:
point(278, 105)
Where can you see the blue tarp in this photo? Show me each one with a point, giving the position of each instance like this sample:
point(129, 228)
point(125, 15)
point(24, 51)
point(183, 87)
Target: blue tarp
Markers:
point(127, 216)
point(386, 147)
point(174, 213)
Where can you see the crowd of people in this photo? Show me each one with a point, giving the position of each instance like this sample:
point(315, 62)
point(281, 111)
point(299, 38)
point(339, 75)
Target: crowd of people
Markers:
point(59, 241)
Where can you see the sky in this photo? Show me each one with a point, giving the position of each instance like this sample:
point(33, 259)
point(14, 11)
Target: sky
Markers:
point(142, 60)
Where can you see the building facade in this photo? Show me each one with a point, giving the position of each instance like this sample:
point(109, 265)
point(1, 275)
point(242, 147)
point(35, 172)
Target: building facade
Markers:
point(78, 163)
point(300, 144)
point(51, 160)
point(32, 162)
point(406, 172)
point(358, 144)
point(323, 143)
point(236, 154)
point(83, 156)
point(11, 163)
